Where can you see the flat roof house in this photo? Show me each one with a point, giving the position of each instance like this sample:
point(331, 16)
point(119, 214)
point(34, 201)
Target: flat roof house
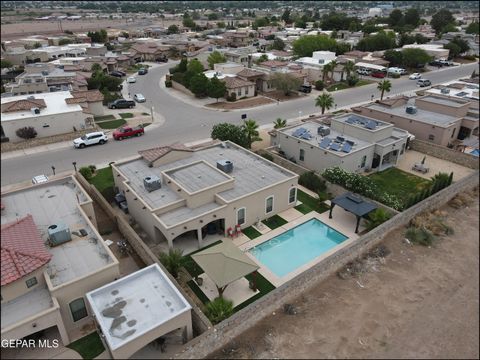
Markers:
point(436, 119)
point(352, 142)
point(52, 254)
point(175, 192)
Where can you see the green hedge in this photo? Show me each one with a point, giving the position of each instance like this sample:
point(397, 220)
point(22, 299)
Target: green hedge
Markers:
point(312, 182)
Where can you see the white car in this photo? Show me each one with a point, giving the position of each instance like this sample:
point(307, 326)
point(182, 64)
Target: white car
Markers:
point(93, 138)
point(132, 80)
point(139, 98)
point(415, 76)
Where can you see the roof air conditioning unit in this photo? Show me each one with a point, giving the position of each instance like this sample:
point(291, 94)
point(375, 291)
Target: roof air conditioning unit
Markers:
point(411, 110)
point(45, 72)
point(225, 165)
point(324, 131)
point(35, 111)
point(58, 234)
point(445, 91)
point(152, 183)
point(31, 97)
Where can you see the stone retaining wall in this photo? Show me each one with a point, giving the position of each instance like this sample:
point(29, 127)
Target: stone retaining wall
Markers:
point(9, 146)
point(199, 321)
point(216, 338)
point(445, 153)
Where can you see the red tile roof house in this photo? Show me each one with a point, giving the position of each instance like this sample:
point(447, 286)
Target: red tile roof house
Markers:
point(45, 270)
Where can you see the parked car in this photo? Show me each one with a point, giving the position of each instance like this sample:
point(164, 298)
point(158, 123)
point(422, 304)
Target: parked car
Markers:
point(128, 131)
point(117, 73)
point(143, 71)
point(435, 63)
point(423, 82)
point(397, 70)
point(132, 80)
point(93, 138)
point(378, 74)
point(121, 104)
point(139, 98)
point(39, 179)
point(446, 62)
point(415, 76)
point(305, 89)
point(161, 59)
point(363, 71)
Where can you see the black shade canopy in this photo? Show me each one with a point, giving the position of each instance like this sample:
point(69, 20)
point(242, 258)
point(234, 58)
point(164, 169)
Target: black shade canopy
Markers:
point(354, 204)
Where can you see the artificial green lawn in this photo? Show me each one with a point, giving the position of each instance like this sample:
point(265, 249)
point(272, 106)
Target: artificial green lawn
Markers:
point(274, 222)
point(113, 124)
point(126, 115)
point(89, 347)
point(344, 85)
point(251, 232)
point(399, 183)
point(103, 181)
point(104, 117)
point(309, 204)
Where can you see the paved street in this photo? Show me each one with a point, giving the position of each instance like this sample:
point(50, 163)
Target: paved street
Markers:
point(184, 122)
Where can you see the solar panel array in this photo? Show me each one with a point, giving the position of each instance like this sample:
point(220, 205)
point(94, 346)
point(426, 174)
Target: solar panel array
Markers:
point(302, 133)
point(367, 123)
point(338, 144)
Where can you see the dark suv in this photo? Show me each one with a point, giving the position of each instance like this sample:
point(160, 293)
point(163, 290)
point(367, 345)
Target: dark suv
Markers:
point(121, 104)
point(305, 89)
point(142, 71)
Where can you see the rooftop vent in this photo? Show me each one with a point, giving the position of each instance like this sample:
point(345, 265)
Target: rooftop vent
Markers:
point(324, 131)
point(445, 91)
point(58, 234)
point(31, 97)
point(411, 110)
point(225, 165)
point(152, 183)
point(35, 110)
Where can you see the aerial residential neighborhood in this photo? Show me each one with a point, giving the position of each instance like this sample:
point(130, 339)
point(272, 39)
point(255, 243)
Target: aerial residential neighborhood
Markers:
point(252, 179)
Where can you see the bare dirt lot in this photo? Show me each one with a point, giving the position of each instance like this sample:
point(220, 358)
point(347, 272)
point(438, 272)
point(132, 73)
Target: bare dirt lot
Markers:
point(421, 303)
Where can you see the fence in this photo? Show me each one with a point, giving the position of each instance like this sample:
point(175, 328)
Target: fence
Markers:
point(216, 338)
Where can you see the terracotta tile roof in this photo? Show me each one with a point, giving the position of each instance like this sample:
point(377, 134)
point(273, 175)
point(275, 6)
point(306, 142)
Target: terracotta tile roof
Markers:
point(273, 63)
point(22, 105)
point(249, 72)
point(236, 82)
point(149, 48)
point(356, 53)
point(156, 153)
point(22, 250)
point(87, 95)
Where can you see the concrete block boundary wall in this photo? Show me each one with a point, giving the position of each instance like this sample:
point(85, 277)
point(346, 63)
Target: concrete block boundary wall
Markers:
point(214, 339)
point(199, 321)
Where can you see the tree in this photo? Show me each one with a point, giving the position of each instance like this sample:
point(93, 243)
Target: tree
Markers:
point(279, 123)
point(333, 64)
point(473, 28)
point(300, 23)
point(349, 68)
point(96, 67)
point(64, 41)
point(219, 309)
point(262, 58)
point(188, 22)
point(6, 64)
point(199, 84)
point(462, 44)
point(216, 88)
point(220, 25)
point(27, 132)
point(212, 16)
point(412, 17)
point(250, 128)
point(380, 41)
point(414, 57)
point(394, 57)
point(454, 49)
point(376, 218)
point(324, 101)
point(278, 44)
point(395, 18)
point(286, 16)
point(37, 45)
point(173, 261)
point(173, 29)
point(441, 19)
point(342, 47)
point(195, 66)
point(215, 58)
point(325, 71)
point(231, 132)
point(285, 82)
point(307, 44)
point(384, 85)
point(319, 85)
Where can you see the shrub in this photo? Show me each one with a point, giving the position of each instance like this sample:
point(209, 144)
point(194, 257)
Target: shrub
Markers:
point(172, 261)
point(267, 156)
point(232, 97)
point(470, 57)
point(312, 182)
point(352, 80)
point(168, 83)
point(420, 236)
point(93, 168)
point(179, 78)
point(319, 85)
point(86, 172)
point(394, 75)
point(219, 309)
point(376, 218)
point(27, 132)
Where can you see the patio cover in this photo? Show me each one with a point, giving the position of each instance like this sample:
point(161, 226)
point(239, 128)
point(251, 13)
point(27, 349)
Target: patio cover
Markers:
point(354, 204)
point(224, 263)
point(370, 66)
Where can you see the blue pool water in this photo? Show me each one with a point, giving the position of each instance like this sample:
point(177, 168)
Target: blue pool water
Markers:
point(475, 152)
point(296, 247)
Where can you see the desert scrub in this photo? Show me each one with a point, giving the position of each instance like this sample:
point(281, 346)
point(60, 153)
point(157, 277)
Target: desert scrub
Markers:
point(420, 236)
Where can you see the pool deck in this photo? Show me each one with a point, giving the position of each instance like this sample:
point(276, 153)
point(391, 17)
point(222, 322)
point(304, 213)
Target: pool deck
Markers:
point(342, 221)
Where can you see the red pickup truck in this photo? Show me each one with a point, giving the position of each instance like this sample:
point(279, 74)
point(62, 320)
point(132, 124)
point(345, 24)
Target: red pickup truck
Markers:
point(127, 131)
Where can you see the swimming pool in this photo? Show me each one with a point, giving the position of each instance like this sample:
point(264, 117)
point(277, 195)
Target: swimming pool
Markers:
point(296, 247)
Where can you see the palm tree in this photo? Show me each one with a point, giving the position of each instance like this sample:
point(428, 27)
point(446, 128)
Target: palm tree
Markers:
point(325, 70)
point(250, 127)
point(324, 101)
point(333, 65)
point(349, 67)
point(279, 123)
point(384, 85)
point(172, 261)
point(376, 218)
point(219, 309)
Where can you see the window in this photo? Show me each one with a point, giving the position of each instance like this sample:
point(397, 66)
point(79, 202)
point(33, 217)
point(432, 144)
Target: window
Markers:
point(292, 195)
point(241, 216)
point(403, 149)
point(302, 155)
point(239, 92)
point(246, 90)
point(31, 282)
point(364, 161)
point(269, 205)
point(78, 309)
point(431, 137)
point(453, 133)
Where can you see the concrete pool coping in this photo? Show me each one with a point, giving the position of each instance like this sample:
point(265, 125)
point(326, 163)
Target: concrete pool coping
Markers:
point(336, 225)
